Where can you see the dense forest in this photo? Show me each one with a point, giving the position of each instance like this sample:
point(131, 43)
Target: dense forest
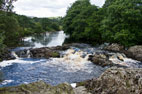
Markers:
point(14, 27)
point(117, 21)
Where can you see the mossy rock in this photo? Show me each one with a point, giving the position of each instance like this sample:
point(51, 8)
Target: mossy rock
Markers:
point(82, 83)
point(38, 88)
point(55, 54)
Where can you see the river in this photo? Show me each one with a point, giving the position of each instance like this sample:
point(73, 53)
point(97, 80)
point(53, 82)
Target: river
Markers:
point(53, 71)
point(71, 68)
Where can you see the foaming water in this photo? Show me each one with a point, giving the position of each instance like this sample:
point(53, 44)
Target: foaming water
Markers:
point(72, 67)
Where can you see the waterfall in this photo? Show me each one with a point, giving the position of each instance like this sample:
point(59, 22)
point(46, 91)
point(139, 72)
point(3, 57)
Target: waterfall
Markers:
point(14, 54)
point(21, 54)
point(28, 54)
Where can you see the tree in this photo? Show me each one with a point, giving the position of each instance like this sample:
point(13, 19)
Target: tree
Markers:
point(122, 22)
point(72, 13)
point(10, 27)
point(82, 22)
point(6, 5)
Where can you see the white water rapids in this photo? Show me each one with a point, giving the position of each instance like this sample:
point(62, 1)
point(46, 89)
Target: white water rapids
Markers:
point(73, 65)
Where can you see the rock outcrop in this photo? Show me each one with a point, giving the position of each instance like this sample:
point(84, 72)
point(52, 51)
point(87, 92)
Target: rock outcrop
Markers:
point(117, 81)
point(135, 52)
point(38, 88)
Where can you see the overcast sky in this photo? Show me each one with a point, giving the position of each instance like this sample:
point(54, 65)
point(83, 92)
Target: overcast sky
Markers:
point(46, 8)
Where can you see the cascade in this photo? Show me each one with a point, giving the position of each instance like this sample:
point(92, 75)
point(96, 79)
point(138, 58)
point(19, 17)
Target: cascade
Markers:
point(14, 54)
point(28, 54)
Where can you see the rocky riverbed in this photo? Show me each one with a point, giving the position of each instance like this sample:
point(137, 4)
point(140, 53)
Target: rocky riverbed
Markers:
point(86, 61)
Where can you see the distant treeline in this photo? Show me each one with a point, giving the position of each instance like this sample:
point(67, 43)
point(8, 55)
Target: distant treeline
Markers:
point(14, 27)
point(118, 21)
point(31, 25)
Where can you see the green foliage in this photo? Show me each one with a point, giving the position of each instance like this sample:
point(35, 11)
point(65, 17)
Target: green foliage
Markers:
point(2, 46)
point(14, 27)
point(37, 25)
point(82, 22)
point(122, 22)
point(117, 21)
point(6, 5)
point(10, 29)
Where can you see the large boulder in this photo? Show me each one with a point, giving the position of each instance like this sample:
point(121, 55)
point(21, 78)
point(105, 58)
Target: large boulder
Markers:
point(117, 81)
point(38, 88)
point(108, 59)
point(135, 52)
point(114, 47)
point(101, 60)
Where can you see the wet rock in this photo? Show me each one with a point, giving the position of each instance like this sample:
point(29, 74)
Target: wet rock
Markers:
point(108, 59)
point(38, 88)
point(101, 59)
point(44, 53)
point(114, 47)
point(6, 55)
point(135, 52)
point(22, 53)
point(117, 81)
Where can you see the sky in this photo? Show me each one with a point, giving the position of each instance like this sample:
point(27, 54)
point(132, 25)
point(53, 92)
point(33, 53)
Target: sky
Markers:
point(46, 8)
